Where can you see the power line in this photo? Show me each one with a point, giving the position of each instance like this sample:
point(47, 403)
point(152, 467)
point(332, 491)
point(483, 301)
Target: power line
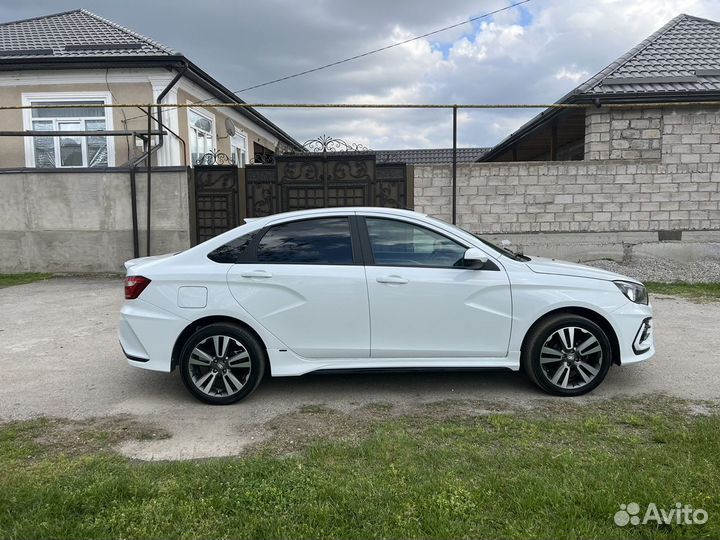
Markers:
point(404, 42)
point(368, 53)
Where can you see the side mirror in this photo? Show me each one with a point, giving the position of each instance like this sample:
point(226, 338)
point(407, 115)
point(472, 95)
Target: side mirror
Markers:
point(475, 258)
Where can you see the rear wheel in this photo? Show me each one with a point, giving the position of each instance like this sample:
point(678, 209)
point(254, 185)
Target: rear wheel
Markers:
point(222, 363)
point(567, 355)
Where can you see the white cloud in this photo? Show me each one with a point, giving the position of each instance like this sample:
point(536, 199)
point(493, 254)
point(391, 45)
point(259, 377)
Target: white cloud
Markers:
point(571, 75)
point(535, 53)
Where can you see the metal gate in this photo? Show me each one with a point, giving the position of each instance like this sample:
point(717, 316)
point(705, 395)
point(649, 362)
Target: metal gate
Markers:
point(297, 182)
point(217, 200)
point(222, 195)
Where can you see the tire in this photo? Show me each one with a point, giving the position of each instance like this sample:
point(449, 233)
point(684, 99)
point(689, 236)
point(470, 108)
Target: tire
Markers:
point(567, 355)
point(236, 356)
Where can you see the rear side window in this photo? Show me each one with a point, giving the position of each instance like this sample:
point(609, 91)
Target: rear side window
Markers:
point(312, 241)
point(233, 252)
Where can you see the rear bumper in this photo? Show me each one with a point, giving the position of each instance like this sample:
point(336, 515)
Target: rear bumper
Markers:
point(148, 334)
point(630, 323)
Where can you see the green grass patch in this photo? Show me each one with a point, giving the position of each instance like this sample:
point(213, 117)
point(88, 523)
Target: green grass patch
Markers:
point(8, 280)
point(697, 291)
point(559, 471)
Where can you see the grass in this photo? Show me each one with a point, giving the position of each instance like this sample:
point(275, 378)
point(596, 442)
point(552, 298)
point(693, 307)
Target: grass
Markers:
point(697, 291)
point(8, 280)
point(560, 471)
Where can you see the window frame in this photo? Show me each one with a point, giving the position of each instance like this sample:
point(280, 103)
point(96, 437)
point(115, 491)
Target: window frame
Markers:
point(213, 130)
point(249, 255)
point(369, 257)
point(28, 98)
point(239, 136)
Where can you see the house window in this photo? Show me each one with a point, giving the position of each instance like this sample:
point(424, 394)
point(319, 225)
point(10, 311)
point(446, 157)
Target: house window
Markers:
point(238, 147)
point(202, 129)
point(70, 150)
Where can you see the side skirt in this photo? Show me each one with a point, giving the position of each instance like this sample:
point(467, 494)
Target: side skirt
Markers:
point(284, 363)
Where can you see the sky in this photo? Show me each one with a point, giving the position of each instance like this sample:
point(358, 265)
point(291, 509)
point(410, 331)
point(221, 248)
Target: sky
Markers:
point(534, 53)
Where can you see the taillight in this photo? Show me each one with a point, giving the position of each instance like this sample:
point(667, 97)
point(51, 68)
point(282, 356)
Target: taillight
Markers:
point(134, 285)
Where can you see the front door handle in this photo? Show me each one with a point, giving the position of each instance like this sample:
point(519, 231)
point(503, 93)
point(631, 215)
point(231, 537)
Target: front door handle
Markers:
point(256, 274)
point(395, 280)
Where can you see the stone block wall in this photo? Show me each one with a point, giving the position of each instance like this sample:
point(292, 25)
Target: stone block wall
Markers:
point(542, 197)
point(691, 136)
point(634, 134)
point(645, 170)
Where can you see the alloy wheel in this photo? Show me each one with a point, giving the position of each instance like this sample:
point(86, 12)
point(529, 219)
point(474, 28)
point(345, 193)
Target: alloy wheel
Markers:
point(220, 366)
point(571, 357)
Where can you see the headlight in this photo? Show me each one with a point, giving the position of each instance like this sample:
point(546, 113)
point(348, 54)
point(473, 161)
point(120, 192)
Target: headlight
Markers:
point(633, 291)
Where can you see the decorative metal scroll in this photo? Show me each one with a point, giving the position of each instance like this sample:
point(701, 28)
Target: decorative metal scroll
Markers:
point(324, 144)
point(263, 159)
point(215, 157)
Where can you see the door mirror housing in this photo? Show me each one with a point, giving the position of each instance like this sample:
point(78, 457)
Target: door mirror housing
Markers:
point(475, 258)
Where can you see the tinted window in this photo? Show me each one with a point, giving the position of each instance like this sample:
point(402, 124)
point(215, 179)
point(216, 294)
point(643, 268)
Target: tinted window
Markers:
point(398, 243)
point(313, 241)
point(232, 251)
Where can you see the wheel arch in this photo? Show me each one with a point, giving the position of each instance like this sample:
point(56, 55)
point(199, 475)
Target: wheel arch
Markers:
point(212, 319)
point(594, 316)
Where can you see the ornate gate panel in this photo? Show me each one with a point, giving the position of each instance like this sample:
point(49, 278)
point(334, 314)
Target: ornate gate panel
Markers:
point(323, 180)
point(216, 200)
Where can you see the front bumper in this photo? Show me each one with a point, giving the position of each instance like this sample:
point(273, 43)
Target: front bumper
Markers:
point(633, 324)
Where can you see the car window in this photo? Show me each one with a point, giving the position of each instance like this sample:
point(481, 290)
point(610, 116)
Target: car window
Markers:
point(399, 243)
point(233, 251)
point(312, 241)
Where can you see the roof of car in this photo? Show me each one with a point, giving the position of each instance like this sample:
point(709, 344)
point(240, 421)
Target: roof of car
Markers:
point(340, 210)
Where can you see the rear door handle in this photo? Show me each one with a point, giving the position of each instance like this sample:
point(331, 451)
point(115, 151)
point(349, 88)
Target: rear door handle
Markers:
point(256, 274)
point(396, 280)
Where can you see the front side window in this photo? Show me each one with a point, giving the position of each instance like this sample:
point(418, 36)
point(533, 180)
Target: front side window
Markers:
point(70, 150)
point(312, 241)
point(201, 135)
point(398, 243)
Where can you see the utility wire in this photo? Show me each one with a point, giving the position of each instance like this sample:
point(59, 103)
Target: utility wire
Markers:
point(368, 53)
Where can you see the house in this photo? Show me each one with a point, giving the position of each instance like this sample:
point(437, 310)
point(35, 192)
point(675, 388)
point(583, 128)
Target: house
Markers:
point(678, 63)
point(633, 173)
point(77, 57)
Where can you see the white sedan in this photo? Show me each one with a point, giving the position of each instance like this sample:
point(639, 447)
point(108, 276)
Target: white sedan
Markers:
point(379, 289)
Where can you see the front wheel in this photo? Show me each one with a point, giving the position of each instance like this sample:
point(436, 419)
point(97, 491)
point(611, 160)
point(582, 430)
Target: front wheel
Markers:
point(567, 355)
point(222, 363)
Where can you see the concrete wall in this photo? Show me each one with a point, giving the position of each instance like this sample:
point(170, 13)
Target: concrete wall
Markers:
point(82, 221)
point(645, 171)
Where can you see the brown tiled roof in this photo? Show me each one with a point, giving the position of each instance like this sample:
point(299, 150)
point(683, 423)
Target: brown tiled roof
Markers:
point(77, 33)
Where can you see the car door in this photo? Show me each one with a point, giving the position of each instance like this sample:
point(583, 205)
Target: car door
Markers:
point(306, 285)
point(423, 302)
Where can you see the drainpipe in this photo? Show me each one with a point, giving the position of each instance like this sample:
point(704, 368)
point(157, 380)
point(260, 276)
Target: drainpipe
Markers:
point(150, 151)
point(160, 143)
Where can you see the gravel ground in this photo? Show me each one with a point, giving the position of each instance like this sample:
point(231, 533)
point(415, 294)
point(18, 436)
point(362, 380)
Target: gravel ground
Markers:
point(650, 269)
point(60, 357)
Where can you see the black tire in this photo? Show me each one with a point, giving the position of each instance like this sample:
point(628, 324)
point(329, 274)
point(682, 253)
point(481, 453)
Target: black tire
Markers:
point(547, 341)
point(241, 380)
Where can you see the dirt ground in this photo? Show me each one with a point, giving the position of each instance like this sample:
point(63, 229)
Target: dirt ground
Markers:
point(60, 358)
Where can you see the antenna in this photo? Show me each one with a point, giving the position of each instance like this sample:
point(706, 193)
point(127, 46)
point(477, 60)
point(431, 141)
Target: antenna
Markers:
point(230, 127)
